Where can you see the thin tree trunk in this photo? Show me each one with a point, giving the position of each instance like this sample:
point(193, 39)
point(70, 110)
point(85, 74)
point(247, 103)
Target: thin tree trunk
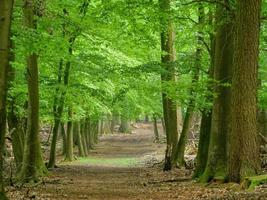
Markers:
point(180, 149)
point(59, 105)
point(156, 131)
point(69, 146)
point(83, 137)
point(64, 138)
point(243, 145)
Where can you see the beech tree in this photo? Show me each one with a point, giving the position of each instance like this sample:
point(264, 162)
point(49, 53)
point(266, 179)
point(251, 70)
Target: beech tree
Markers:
point(33, 166)
point(217, 162)
point(6, 7)
point(168, 59)
point(243, 145)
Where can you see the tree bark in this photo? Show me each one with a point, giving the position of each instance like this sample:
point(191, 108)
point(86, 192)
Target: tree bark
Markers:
point(59, 104)
point(6, 8)
point(33, 166)
point(217, 156)
point(180, 149)
point(204, 136)
point(64, 138)
point(168, 58)
point(243, 143)
point(69, 146)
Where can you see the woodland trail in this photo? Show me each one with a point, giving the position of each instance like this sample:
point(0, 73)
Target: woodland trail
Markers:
point(118, 170)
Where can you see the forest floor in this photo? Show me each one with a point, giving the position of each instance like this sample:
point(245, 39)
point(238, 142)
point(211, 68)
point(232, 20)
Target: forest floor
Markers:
point(125, 167)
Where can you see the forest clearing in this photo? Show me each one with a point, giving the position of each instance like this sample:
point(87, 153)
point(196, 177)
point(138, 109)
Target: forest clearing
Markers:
point(133, 99)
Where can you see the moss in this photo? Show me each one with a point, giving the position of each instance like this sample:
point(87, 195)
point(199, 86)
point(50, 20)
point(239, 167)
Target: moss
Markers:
point(251, 183)
point(3, 196)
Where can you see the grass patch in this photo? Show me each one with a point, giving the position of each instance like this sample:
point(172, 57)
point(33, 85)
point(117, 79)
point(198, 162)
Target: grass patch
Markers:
point(113, 162)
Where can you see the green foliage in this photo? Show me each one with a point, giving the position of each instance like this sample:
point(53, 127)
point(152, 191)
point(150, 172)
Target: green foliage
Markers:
point(115, 60)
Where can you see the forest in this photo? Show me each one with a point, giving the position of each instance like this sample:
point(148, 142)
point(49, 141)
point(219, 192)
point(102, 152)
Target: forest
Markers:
point(133, 99)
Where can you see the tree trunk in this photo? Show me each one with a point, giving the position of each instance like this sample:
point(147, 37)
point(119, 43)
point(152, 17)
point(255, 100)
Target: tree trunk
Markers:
point(59, 104)
point(156, 131)
point(17, 136)
point(203, 145)
point(33, 166)
point(87, 134)
point(168, 58)
point(180, 149)
point(69, 146)
point(83, 137)
point(204, 137)
point(64, 138)
point(217, 156)
point(77, 129)
point(125, 125)
point(6, 7)
point(243, 144)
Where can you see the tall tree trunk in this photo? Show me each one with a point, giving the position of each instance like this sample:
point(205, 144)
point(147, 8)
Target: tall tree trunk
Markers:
point(15, 124)
point(33, 166)
point(168, 58)
point(243, 144)
point(6, 7)
point(69, 146)
point(180, 149)
point(59, 104)
point(204, 136)
point(217, 156)
point(83, 137)
point(64, 138)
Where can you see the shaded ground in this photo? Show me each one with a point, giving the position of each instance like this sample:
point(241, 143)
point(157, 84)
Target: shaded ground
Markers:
point(125, 167)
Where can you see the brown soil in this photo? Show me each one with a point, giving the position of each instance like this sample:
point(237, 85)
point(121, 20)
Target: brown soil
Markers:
point(121, 179)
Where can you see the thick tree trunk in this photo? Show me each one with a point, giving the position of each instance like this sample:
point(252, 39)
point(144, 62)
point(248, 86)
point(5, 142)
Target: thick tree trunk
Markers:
point(168, 59)
point(33, 166)
point(6, 7)
point(243, 145)
point(217, 156)
point(203, 145)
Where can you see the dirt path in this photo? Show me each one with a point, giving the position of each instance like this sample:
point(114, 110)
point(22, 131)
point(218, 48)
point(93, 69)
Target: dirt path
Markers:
point(116, 170)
